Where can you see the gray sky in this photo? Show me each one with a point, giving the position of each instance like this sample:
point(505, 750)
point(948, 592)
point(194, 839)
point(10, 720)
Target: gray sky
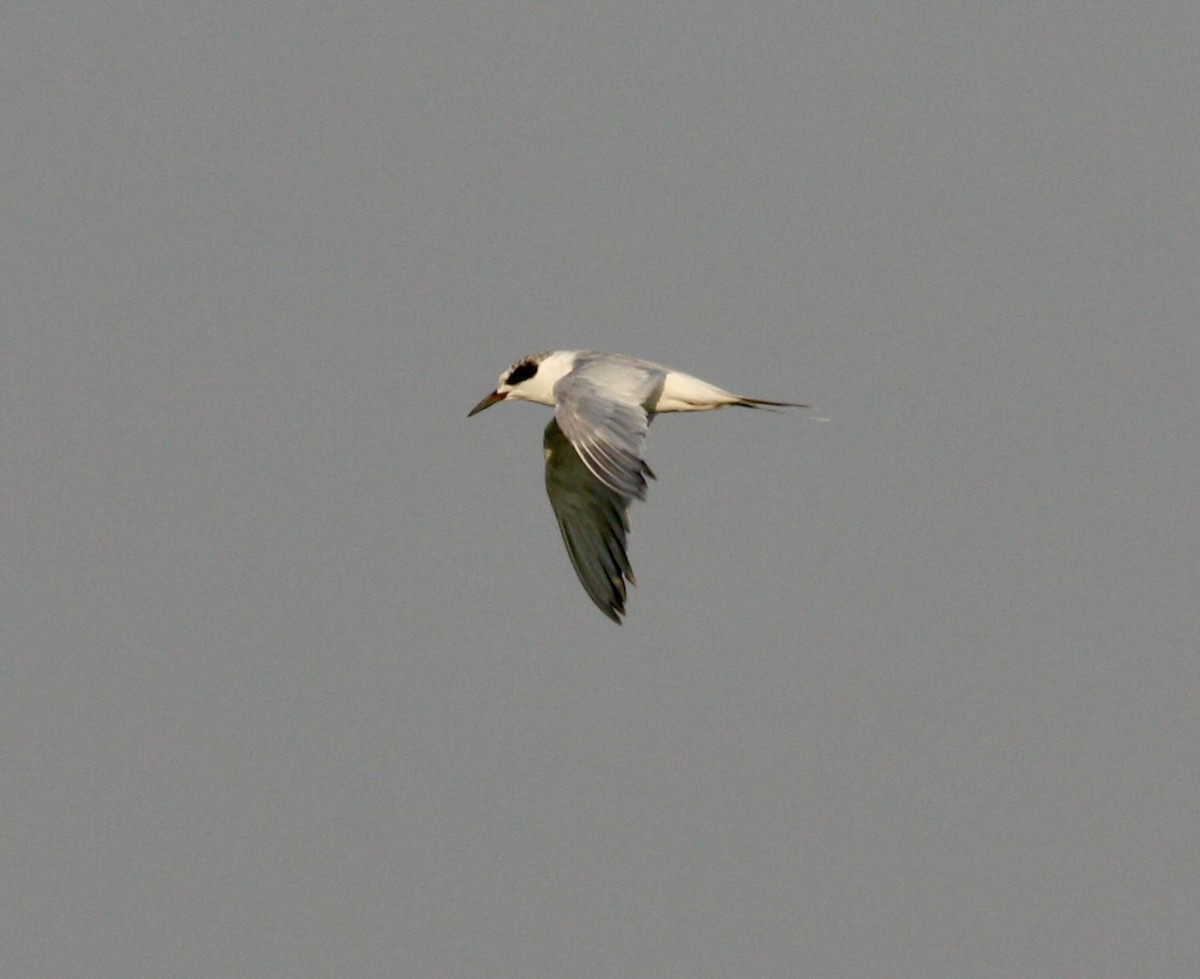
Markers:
point(297, 680)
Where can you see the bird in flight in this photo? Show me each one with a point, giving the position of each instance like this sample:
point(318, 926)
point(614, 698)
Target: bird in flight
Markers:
point(603, 405)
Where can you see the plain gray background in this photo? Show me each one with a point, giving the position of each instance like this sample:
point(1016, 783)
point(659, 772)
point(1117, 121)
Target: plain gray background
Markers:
point(297, 680)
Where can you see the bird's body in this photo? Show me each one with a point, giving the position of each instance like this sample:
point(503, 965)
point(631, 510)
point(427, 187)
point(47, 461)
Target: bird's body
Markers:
point(595, 465)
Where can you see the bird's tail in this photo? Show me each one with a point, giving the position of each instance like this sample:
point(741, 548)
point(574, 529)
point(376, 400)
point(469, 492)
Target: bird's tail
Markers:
point(768, 405)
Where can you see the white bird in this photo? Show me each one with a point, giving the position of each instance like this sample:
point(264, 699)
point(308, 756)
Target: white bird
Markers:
point(603, 405)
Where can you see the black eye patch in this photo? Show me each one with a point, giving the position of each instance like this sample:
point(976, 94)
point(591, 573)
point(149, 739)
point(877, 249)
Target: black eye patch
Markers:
point(522, 372)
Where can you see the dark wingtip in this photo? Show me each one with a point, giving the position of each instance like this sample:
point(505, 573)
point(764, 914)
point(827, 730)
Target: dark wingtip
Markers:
point(613, 611)
point(616, 606)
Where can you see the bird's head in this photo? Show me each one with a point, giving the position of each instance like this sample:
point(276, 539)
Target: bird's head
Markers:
point(530, 379)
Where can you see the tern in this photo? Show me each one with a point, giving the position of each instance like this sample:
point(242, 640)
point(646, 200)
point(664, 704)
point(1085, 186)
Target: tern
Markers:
point(603, 405)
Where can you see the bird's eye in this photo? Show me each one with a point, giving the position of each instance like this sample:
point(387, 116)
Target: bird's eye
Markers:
point(522, 372)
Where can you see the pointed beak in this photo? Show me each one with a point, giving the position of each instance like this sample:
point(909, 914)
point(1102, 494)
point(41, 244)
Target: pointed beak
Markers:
point(487, 402)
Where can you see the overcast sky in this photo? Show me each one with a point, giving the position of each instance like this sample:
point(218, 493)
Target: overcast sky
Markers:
point(297, 680)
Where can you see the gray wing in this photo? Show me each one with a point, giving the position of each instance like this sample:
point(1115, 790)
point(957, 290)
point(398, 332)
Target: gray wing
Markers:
point(593, 519)
point(599, 407)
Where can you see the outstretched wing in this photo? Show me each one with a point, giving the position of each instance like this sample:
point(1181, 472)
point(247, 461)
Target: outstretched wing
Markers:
point(593, 519)
point(599, 406)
